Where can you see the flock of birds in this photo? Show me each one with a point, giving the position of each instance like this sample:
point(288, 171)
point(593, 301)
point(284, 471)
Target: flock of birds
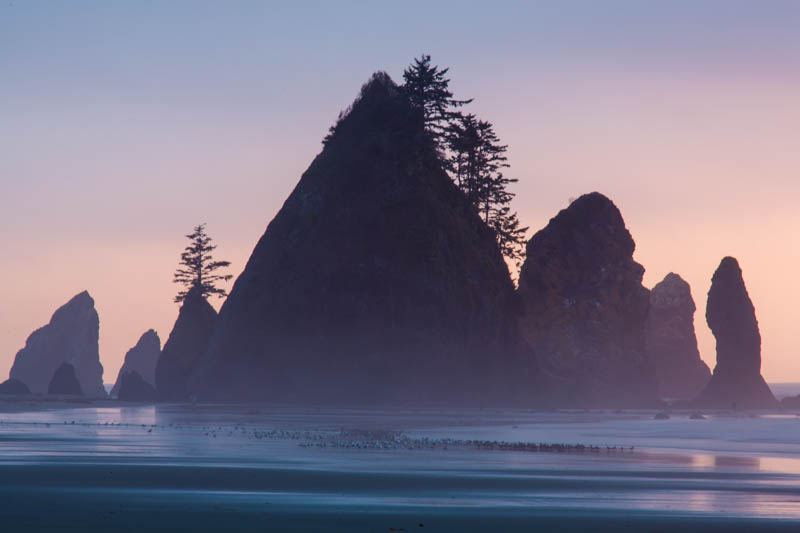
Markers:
point(347, 438)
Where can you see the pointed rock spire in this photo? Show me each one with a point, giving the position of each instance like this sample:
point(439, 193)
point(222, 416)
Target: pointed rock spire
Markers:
point(736, 381)
point(71, 336)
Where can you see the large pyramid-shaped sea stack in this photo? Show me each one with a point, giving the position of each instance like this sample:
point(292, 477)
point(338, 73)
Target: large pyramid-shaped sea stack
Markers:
point(71, 337)
point(585, 307)
point(736, 381)
point(374, 282)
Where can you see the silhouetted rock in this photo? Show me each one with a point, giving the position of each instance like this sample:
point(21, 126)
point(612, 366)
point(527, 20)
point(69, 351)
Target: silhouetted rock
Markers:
point(187, 341)
point(736, 381)
point(790, 402)
point(64, 381)
point(13, 386)
point(671, 341)
point(141, 359)
point(585, 307)
point(71, 336)
point(375, 281)
point(134, 388)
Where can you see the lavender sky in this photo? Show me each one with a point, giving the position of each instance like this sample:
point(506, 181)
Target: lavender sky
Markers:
point(124, 124)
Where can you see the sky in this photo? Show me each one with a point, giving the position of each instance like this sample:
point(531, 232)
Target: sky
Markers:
point(124, 124)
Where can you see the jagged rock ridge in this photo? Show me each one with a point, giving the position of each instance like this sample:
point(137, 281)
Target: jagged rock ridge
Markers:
point(71, 336)
point(64, 381)
point(141, 359)
point(671, 341)
point(186, 343)
point(736, 381)
point(585, 307)
point(374, 282)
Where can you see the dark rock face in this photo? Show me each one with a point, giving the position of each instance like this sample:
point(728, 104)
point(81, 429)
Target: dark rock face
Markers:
point(671, 341)
point(134, 388)
point(374, 283)
point(585, 307)
point(65, 381)
point(186, 343)
point(13, 386)
point(737, 381)
point(71, 336)
point(141, 359)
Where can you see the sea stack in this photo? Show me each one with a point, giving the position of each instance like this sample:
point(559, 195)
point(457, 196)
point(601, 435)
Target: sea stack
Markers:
point(671, 341)
point(736, 381)
point(64, 381)
point(186, 343)
point(141, 359)
point(375, 282)
point(585, 307)
point(134, 388)
point(72, 337)
point(14, 387)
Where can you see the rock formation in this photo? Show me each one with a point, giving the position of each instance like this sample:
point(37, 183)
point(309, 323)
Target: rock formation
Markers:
point(134, 388)
point(736, 381)
point(187, 341)
point(13, 386)
point(71, 336)
point(141, 359)
point(790, 402)
point(671, 341)
point(375, 282)
point(585, 307)
point(64, 381)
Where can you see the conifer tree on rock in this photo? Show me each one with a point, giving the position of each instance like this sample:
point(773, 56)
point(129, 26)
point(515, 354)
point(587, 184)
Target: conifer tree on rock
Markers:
point(428, 91)
point(469, 150)
point(196, 319)
point(198, 267)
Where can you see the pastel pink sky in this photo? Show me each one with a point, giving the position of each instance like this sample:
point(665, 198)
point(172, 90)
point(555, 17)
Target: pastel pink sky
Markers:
point(125, 125)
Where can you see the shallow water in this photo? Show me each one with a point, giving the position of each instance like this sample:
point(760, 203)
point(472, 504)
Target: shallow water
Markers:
point(199, 468)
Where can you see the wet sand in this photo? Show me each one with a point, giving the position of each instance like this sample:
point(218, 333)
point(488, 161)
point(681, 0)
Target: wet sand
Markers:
point(245, 468)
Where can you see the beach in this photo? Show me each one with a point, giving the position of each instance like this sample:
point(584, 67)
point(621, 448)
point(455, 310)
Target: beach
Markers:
point(120, 467)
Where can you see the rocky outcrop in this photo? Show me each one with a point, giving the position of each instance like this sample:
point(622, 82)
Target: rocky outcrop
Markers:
point(71, 336)
point(14, 387)
point(375, 282)
point(585, 307)
point(671, 341)
point(187, 341)
point(790, 402)
point(736, 381)
point(134, 388)
point(65, 381)
point(141, 359)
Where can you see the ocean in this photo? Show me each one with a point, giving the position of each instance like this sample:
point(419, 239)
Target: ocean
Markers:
point(262, 468)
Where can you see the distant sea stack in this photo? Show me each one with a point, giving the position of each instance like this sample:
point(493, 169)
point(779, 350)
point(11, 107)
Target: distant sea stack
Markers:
point(141, 359)
point(671, 341)
point(134, 388)
point(64, 381)
point(585, 307)
point(375, 282)
point(71, 336)
point(14, 387)
point(737, 381)
point(186, 343)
